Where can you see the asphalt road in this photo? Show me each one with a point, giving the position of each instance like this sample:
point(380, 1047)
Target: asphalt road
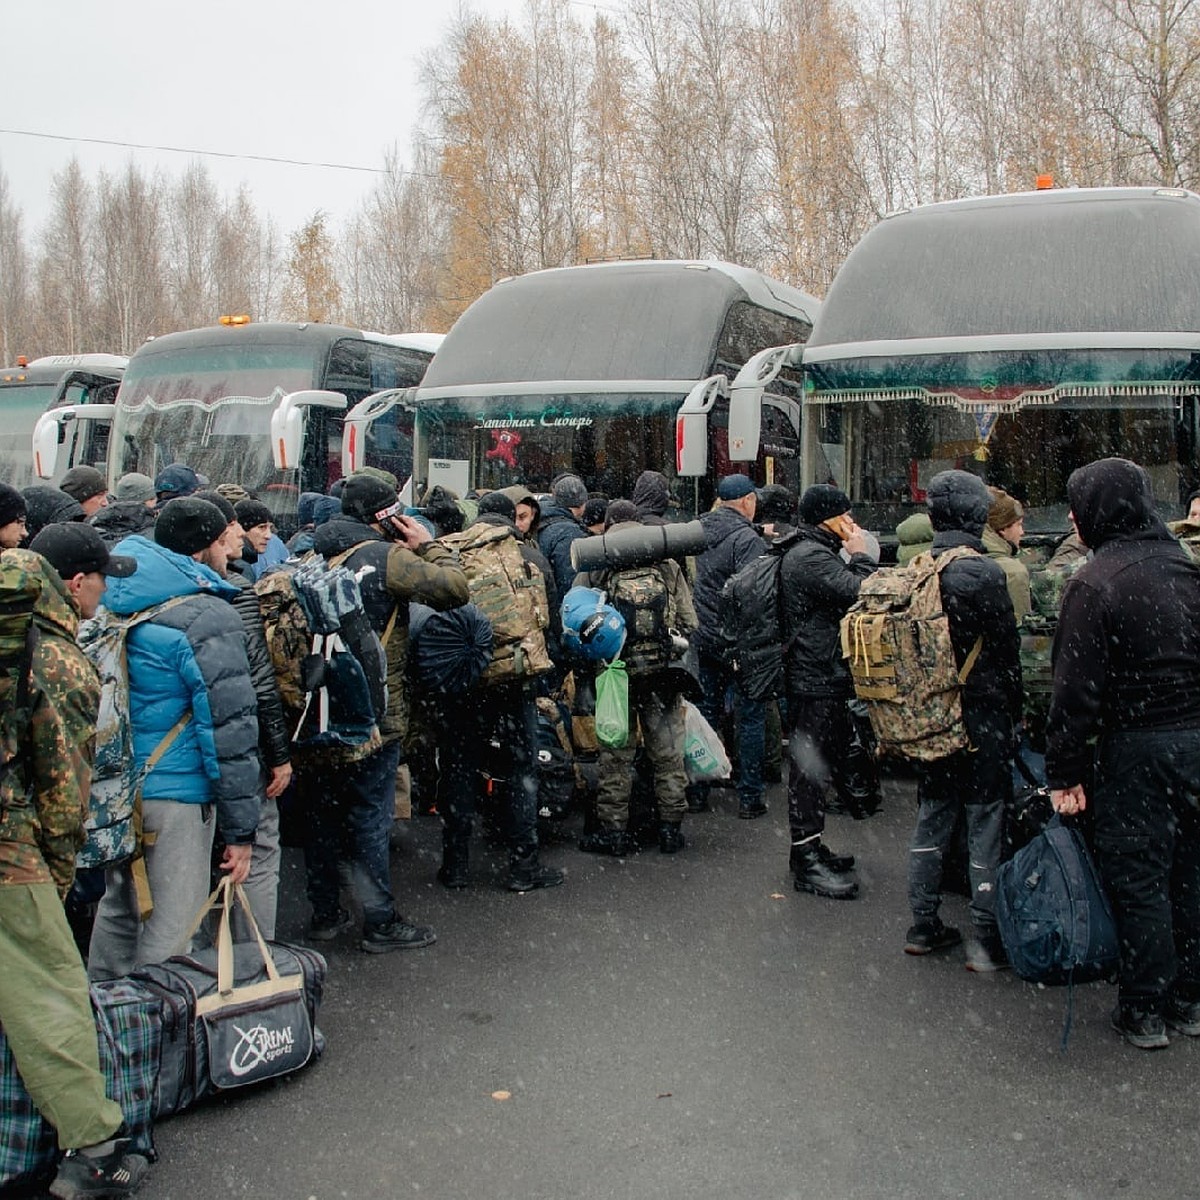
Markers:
point(692, 1027)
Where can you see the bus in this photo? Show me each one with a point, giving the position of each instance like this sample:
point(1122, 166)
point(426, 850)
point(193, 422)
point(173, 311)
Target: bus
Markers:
point(607, 370)
point(264, 405)
point(55, 383)
point(1017, 337)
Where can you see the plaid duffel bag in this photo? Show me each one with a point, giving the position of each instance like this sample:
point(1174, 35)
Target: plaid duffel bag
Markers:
point(129, 1038)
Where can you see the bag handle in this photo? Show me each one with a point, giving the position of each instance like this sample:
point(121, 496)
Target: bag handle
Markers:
point(226, 894)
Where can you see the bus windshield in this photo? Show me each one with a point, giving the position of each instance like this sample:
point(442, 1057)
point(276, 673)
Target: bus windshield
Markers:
point(881, 429)
point(20, 407)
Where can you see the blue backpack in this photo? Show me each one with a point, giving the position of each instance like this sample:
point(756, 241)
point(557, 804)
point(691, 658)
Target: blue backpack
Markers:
point(1055, 920)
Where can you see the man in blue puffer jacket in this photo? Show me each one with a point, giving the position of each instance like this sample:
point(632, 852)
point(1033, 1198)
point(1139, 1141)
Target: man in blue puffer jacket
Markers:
point(189, 661)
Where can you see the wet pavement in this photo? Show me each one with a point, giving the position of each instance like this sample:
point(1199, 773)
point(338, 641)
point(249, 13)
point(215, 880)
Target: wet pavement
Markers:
point(691, 1027)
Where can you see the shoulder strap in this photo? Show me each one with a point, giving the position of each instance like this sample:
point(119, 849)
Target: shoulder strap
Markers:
point(338, 559)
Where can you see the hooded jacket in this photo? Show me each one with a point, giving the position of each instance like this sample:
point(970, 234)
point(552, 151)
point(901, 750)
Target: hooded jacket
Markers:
point(816, 588)
point(915, 536)
point(41, 827)
point(122, 519)
point(651, 497)
point(191, 657)
point(429, 575)
point(557, 529)
point(1127, 650)
point(977, 604)
point(730, 543)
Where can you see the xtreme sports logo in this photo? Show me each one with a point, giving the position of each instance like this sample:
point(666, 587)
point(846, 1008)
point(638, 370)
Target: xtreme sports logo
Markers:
point(258, 1046)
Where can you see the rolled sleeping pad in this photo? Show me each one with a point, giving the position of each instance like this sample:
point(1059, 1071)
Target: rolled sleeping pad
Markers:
point(637, 546)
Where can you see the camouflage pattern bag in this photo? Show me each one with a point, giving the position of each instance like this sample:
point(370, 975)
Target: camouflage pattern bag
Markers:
point(897, 640)
point(512, 595)
point(18, 639)
point(113, 822)
point(641, 596)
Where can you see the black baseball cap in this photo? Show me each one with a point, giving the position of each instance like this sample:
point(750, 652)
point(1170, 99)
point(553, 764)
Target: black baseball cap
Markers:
point(73, 549)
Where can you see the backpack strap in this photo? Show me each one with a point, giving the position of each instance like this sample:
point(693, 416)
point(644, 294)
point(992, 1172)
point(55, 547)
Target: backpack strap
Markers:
point(940, 563)
point(141, 839)
point(339, 559)
point(24, 686)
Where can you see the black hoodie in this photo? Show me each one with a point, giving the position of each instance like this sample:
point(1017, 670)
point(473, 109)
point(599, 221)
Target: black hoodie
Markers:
point(1127, 651)
point(977, 604)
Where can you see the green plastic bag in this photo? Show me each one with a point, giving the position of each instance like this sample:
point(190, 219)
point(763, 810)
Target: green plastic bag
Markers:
point(612, 706)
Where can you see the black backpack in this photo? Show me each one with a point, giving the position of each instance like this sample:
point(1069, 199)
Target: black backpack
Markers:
point(749, 632)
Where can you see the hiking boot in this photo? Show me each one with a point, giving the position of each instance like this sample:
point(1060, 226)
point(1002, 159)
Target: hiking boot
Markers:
point(325, 928)
point(1183, 1018)
point(670, 837)
point(114, 1174)
point(526, 874)
point(840, 863)
point(614, 842)
point(985, 953)
point(1140, 1027)
point(397, 934)
point(749, 812)
point(927, 936)
point(813, 875)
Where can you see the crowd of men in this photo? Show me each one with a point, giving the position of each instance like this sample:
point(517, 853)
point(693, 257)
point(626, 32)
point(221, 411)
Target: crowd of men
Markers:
point(180, 557)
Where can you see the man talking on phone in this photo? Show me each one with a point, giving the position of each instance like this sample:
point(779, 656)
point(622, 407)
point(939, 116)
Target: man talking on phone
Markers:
point(817, 585)
point(349, 808)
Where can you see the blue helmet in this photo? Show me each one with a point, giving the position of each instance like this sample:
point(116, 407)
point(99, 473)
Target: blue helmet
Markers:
point(592, 629)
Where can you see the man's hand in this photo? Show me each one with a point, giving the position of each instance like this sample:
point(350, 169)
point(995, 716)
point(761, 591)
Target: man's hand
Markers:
point(1068, 800)
point(856, 543)
point(236, 861)
point(281, 776)
point(412, 532)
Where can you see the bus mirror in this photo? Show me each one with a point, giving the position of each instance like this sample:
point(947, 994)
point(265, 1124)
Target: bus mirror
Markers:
point(745, 401)
point(360, 419)
point(49, 433)
point(287, 425)
point(691, 425)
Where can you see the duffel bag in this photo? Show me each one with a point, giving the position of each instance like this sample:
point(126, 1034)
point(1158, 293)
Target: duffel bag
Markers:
point(127, 1036)
point(233, 1014)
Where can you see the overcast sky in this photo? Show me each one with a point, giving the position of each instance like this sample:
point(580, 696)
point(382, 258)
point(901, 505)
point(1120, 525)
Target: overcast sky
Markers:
point(334, 81)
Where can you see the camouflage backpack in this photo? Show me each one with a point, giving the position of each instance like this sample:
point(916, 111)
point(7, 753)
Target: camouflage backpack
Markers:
point(18, 640)
point(897, 639)
point(641, 596)
point(113, 825)
point(512, 595)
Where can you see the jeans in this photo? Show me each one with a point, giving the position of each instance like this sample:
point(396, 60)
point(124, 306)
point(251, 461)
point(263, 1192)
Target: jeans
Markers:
point(976, 783)
point(716, 680)
point(1147, 825)
point(350, 810)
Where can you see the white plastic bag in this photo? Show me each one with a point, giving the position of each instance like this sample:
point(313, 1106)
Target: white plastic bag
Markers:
point(704, 756)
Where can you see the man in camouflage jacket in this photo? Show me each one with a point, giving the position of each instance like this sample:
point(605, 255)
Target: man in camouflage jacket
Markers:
point(49, 696)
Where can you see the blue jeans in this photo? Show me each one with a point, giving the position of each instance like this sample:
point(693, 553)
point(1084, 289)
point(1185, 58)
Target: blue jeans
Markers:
point(350, 810)
point(720, 694)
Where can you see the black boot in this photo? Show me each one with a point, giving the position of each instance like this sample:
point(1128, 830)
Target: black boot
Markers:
point(813, 875)
point(670, 837)
point(838, 863)
point(615, 842)
point(456, 852)
point(526, 874)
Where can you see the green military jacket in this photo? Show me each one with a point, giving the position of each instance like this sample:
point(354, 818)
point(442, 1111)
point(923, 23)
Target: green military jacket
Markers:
point(1016, 574)
point(43, 799)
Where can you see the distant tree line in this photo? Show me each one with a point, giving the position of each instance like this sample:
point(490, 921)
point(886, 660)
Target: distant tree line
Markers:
point(767, 132)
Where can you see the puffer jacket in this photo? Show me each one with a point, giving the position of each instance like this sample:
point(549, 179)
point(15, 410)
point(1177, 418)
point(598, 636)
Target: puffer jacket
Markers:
point(816, 588)
point(274, 737)
point(976, 602)
point(191, 657)
point(429, 575)
point(41, 826)
point(557, 529)
point(122, 519)
point(915, 536)
point(730, 543)
point(1127, 650)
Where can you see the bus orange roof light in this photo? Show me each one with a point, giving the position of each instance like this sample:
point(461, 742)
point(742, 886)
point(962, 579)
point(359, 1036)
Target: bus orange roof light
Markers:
point(1045, 183)
point(235, 319)
point(22, 361)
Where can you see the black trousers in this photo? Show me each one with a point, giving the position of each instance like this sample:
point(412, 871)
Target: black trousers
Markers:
point(819, 752)
point(1147, 825)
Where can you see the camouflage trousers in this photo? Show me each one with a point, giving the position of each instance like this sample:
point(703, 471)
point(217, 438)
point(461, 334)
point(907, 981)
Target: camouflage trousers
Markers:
point(660, 719)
